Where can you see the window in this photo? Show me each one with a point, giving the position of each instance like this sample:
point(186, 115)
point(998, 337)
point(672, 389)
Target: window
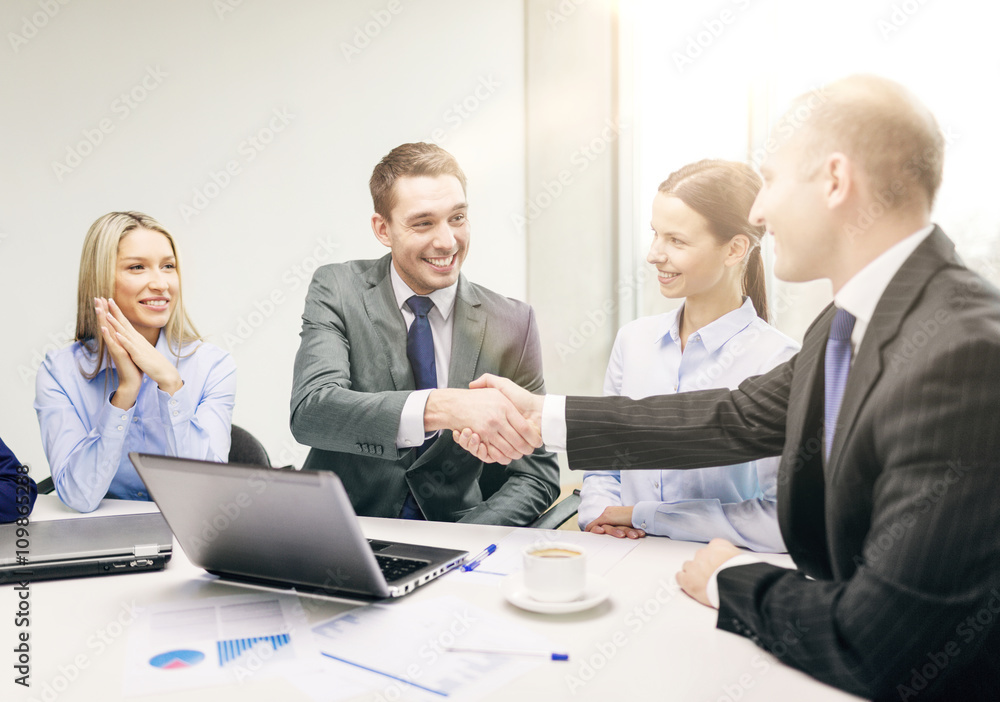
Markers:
point(707, 81)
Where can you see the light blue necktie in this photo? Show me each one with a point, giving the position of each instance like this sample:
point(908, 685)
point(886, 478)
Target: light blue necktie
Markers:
point(420, 351)
point(837, 366)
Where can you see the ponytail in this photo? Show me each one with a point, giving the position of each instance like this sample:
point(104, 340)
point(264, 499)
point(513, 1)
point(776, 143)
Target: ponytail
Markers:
point(753, 283)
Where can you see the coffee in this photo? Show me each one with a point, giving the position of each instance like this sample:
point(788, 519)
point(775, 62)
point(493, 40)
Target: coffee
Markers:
point(555, 553)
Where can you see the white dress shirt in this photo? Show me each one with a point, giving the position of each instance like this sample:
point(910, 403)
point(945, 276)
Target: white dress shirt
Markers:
point(859, 296)
point(732, 502)
point(411, 422)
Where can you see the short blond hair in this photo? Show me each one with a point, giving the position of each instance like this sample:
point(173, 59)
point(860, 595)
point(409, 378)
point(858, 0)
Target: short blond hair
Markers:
point(408, 160)
point(98, 264)
point(879, 124)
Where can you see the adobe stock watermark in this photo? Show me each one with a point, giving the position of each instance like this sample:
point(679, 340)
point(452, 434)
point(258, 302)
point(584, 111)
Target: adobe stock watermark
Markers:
point(249, 149)
point(791, 636)
point(33, 24)
point(98, 643)
point(606, 650)
point(364, 34)
point(580, 160)
point(293, 278)
point(878, 545)
point(225, 7)
point(703, 39)
point(433, 648)
point(790, 122)
point(562, 13)
point(934, 663)
point(56, 340)
point(121, 107)
point(600, 317)
point(461, 111)
point(900, 14)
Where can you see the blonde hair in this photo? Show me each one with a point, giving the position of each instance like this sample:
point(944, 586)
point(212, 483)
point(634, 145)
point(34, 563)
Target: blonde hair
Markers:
point(98, 266)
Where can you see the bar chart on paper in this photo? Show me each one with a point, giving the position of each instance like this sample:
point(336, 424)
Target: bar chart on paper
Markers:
point(234, 648)
point(218, 640)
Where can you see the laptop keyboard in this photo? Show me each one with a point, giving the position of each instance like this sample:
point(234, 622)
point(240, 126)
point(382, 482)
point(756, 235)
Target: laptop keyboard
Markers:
point(395, 568)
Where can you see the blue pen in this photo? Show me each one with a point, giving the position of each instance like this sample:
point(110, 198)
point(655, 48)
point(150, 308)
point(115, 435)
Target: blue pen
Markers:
point(471, 565)
point(510, 652)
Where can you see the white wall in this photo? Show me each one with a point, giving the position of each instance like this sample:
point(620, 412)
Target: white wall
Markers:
point(204, 78)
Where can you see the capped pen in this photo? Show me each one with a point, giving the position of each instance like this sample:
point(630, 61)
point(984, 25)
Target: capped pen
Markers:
point(510, 652)
point(471, 565)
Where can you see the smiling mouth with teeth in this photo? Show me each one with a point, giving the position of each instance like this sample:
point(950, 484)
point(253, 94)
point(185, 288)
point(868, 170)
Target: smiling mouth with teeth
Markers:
point(441, 262)
point(155, 303)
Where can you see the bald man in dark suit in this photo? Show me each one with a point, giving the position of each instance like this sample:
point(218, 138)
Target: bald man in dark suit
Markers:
point(886, 421)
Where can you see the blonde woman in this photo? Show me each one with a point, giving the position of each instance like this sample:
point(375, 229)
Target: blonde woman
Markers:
point(138, 377)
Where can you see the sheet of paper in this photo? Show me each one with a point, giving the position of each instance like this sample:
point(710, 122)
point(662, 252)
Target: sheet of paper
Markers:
point(402, 646)
point(603, 552)
point(218, 640)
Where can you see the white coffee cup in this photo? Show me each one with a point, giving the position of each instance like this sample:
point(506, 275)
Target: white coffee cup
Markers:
point(555, 571)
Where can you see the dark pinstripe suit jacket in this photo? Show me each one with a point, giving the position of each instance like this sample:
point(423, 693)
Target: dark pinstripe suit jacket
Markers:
point(352, 378)
point(899, 533)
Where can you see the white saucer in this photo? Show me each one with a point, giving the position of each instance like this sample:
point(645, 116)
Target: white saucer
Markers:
point(596, 591)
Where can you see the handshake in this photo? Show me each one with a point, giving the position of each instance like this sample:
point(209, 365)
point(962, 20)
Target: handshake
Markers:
point(496, 420)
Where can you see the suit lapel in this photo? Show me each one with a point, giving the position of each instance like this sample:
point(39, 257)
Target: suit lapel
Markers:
point(899, 297)
point(467, 336)
point(801, 490)
point(387, 321)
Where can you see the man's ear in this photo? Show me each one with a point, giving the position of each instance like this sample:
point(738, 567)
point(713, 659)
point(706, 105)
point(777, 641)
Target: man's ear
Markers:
point(839, 181)
point(381, 228)
point(739, 245)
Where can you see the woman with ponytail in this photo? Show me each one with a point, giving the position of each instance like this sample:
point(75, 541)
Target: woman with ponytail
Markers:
point(705, 251)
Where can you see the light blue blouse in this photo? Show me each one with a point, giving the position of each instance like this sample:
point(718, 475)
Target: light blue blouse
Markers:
point(732, 502)
point(87, 440)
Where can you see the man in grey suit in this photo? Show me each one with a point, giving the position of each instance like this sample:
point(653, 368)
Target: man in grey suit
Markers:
point(355, 396)
point(886, 421)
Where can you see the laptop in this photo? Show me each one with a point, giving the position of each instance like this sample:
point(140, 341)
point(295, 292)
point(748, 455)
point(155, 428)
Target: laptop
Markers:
point(84, 546)
point(282, 528)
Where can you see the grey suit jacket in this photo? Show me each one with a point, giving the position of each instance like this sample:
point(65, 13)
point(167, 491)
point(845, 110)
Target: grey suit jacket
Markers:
point(352, 378)
point(898, 531)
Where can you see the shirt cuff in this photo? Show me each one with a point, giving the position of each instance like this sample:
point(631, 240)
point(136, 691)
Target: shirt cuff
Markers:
point(554, 422)
point(411, 422)
point(177, 408)
point(114, 422)
point(712, 588)
point(643, 515)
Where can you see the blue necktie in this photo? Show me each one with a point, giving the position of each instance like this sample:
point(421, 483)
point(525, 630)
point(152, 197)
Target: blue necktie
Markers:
point(420, 351)
point(420, 344)
point(838, 365)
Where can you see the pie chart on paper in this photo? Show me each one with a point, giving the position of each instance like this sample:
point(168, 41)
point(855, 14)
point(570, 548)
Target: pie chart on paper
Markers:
point(177, 660)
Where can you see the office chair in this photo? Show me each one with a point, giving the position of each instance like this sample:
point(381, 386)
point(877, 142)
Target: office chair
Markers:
point(45, 486)
point(559, 513)
point(245, 448)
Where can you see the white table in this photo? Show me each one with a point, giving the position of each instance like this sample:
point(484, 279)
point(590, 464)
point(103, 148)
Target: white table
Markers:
point(648, 639)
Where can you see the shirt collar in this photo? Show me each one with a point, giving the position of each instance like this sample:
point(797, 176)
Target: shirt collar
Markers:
point(716, 333)
point(861, 294)
point(443, 298)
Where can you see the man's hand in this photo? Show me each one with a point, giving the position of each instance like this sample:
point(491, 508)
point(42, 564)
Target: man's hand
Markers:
point(616, 521)
point(694, 575)
point(528, 405)
point(487, 413)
